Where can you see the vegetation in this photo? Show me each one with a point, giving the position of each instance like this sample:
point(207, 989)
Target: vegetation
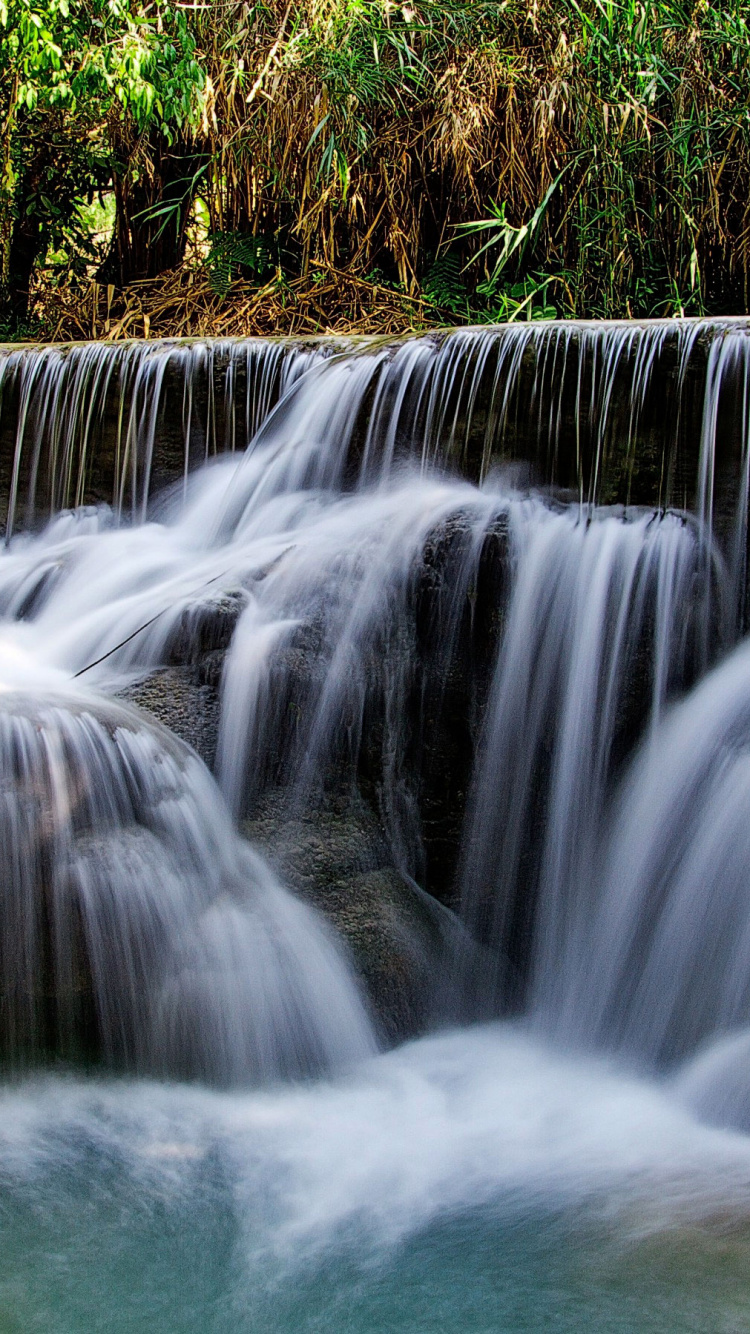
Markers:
point(229, 164)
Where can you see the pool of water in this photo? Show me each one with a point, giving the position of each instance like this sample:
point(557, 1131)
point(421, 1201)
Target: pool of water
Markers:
point(474, 1181)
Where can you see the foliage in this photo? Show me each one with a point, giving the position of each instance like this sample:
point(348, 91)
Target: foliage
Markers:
point(497, 158)
point(600, 145)
point(232, 254)
point(69, 71)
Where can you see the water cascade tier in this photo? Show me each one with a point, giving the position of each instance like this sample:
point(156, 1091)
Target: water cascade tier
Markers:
point(136, 926)
point(650, 413)
point(456, 621)
point(374, 851)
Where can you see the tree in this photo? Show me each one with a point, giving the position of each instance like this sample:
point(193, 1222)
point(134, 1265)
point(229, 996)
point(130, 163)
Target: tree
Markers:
point(85, 85)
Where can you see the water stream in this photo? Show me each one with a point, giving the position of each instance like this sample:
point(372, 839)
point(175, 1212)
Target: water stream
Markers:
point(492, 587)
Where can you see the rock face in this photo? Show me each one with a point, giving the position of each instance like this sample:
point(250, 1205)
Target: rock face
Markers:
point(335, 855)
point(342, 845)
point(178, 698)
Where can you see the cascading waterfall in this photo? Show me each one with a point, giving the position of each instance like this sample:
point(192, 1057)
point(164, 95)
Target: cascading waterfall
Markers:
point(487, 586)
point(667, 934)
point(134, 920)
point(611, 413)
point(86, 422)
point(603, 625)
point(373, 595)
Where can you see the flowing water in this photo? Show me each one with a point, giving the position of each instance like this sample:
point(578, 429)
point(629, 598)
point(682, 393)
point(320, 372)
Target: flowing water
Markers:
point(539, 688)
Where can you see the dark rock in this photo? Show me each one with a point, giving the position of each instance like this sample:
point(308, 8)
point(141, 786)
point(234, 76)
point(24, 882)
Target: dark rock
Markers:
point(336, 857)
point(205, 629)
point(180, 702)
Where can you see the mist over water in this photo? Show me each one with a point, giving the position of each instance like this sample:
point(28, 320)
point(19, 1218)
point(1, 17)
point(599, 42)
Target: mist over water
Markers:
point(558, 686)
point(476, 1180)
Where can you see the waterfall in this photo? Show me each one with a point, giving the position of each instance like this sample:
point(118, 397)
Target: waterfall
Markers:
point(367, 694)
point(476, 583)
point(602, 625)
point(135, 922)
point(86, 422)
point(666, 938)
point(648, 413)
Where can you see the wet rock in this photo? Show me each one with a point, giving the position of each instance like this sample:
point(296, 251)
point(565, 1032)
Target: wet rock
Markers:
point(335, 855)
point(205, 629)
point(178, 699)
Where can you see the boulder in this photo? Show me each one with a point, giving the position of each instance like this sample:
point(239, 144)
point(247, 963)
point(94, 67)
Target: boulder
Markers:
point(335, 855)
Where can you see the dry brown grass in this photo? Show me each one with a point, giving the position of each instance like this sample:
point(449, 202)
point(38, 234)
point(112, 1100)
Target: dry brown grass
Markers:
point(183, 304)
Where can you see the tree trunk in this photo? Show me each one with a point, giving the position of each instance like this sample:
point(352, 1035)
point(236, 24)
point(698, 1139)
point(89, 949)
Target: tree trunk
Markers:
point(27, 238)
point(152, 213)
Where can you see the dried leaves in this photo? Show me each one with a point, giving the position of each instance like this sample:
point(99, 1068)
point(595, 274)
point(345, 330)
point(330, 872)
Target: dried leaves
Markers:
point(184, 304)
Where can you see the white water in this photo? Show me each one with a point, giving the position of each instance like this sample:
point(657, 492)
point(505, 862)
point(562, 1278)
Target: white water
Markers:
point(372, 589)
point(125, 888)
point(64, 395)
point(589, 601)
point(609, 411)
point(476, 1181)
point(667, 939)
point(442, 1126)
point(604, 615)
